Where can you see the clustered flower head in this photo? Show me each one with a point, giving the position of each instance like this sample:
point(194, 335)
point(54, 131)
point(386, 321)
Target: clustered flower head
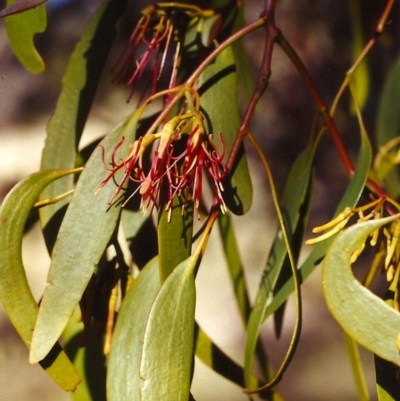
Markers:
point(177, 172)
point(158, 38)
point(388, 253)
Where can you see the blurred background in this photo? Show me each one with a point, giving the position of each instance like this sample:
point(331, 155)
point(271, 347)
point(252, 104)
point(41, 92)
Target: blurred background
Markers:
point(321, 31)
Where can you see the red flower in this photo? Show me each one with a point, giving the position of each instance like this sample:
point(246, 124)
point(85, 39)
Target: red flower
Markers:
point(153, 34)
point(181, 171)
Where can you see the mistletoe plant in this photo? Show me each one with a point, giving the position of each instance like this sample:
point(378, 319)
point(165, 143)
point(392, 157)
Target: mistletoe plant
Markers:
point(177, 167)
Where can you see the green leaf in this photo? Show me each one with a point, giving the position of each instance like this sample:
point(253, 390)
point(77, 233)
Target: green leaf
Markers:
point(79, 88)
point(152, 347)
point(349, 199)
point(123, 378)
point(220, 105)
point(83, 237)
point(21, 29)
point(294, 208)
point(360, 77)
point(174, 237)
point(15, 293)
point(388, 122)
point(167, 350)
point(364, 316)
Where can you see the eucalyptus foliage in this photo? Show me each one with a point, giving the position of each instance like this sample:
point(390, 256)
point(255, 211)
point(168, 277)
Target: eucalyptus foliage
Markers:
point(184, 62)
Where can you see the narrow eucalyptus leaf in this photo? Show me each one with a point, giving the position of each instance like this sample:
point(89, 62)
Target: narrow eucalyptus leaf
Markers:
point(388, 126)
point(364, 316)
point(295, 206)
point(123, 376)
point(21, 29)
point(15, 294)
point(167, 349)
point(83, 237)
point(79, 88)
point(350, 198)
point(220, 105)
point(152, 348)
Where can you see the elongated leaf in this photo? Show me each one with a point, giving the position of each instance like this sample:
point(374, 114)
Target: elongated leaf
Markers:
point(295, 205)
point(220, 104)
point(82, 240)
point(152, 349)
point(350, 198)
point(15, 293)
point(123, 378)
point(360, 77)
point(79, 88)
point(167, 350)
point(388, 122)
point(364, 316)
point(21, 29)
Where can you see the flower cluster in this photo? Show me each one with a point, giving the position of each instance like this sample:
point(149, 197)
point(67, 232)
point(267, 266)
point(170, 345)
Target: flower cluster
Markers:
point(158, 39)
point(180, 172)
point(389, 245)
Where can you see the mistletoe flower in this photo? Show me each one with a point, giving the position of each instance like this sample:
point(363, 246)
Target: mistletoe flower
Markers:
point(179, 173)
point(153, 33)
point(200, 155)
point(161, 34)
point(132, 165)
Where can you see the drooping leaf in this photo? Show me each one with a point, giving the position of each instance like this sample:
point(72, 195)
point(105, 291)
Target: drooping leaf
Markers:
point(21, 29)
point(363, 315)
point(360, 77)
point(349, 199)
point(83, 237)
point(220, 104)
point(79, 88)
point(15, 294)
point(123, 378)
point(295, 204)
point(167, 350)
point(388, 122)
point(244, 68)
point(152, 347)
